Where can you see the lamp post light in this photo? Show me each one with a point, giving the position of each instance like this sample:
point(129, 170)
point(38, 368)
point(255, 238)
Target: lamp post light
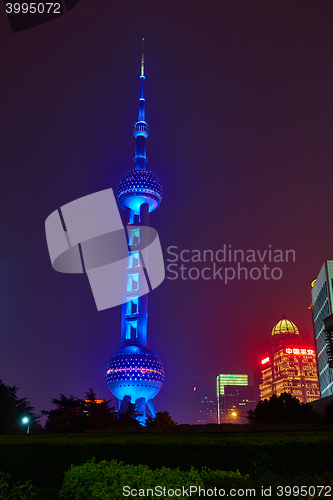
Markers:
point(236, 416)
point(25, 420)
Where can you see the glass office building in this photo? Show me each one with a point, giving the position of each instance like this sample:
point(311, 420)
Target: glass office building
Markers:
point(222, 381)
point(322, 293)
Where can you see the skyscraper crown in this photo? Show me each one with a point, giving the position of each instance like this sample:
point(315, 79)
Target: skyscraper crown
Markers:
point(285, 326)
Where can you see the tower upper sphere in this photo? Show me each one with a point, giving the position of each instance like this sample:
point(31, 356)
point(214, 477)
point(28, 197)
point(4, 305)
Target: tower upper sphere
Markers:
point(139, 185)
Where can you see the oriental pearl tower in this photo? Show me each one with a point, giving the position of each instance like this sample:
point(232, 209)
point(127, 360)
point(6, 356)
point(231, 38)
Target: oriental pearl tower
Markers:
point(135, 374)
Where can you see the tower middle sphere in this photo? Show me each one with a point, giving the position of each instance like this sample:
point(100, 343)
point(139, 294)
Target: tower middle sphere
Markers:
point(138, 186)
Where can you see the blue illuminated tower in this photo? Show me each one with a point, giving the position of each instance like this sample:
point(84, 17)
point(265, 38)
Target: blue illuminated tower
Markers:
point(135, 374)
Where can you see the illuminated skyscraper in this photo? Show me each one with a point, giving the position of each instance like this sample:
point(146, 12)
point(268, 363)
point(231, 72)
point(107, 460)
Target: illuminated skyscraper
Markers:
point(222, 382)
point(322, 307)
point(289, 365)
point(135, 374)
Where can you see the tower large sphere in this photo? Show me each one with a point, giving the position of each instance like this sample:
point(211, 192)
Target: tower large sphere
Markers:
point(138, 186)
point(135, 371)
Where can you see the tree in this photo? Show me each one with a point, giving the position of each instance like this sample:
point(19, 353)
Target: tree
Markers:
point(161, 418)
point(13, 409)
point(7, 410)
point(78, 415)
point(100, 414)
point(65, 420)
point(67, 417)
point(328, 419)
point(24, 409)
point(283, 408)
point(129, 416)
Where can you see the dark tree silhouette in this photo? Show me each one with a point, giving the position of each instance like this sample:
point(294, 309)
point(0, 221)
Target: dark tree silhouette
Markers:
point(7, 410)
point(129, 417)
point(101, 414)
point(24, 409)
point(78, 415)
point(161, 418)
point(67, 417)
point(13, 409)
point(283, 408)
point(328, 419)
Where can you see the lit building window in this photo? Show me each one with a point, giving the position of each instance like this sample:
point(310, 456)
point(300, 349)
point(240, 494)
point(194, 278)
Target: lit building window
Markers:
point(132, 306)
point(133, 282)
point(133, 260)
point(134, 236)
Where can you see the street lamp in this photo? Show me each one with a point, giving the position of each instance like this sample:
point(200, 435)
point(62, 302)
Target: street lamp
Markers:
point(234, 415)
point(237, 416)
point(25, 420)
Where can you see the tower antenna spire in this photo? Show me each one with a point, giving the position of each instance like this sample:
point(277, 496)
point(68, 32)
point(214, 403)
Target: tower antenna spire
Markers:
point(142, 73)
point(141, 131)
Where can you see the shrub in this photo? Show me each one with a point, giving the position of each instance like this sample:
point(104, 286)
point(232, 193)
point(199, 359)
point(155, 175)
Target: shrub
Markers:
point(10, 490)
point(221, 478)
point(106, 480)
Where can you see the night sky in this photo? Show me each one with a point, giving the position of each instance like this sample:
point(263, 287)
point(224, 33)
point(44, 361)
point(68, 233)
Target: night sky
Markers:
point(240, 112)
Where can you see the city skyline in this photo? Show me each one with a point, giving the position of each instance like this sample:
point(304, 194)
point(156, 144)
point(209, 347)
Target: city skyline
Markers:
point(239, 104)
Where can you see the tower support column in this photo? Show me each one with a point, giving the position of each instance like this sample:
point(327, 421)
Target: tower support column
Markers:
point(124, 403)
point(141, 409)
point(144, 214)
point(152, 407)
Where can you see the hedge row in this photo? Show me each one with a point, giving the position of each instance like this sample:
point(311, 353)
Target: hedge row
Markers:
point(116, 481)
point(45, 460)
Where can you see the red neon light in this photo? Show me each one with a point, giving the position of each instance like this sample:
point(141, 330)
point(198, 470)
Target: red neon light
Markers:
point(301, 352)
point(265, 360)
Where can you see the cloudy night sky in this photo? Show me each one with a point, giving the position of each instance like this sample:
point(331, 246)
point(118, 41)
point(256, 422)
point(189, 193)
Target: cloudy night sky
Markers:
point(240, 112)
